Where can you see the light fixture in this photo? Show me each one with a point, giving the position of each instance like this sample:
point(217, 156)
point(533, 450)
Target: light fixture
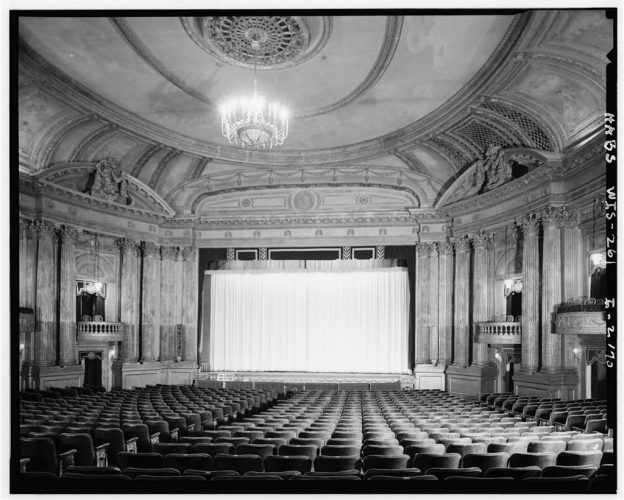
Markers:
point(253, 121)
point(512, 286)
point(598, 259)
point(94, 287)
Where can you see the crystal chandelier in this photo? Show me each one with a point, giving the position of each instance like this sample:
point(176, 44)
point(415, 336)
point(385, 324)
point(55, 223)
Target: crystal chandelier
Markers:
point(253, 121)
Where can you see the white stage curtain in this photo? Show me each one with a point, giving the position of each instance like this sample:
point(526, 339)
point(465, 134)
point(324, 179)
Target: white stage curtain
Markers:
point(309, 321)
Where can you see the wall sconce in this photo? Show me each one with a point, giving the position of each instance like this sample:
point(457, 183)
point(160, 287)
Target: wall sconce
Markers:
point(598, 259)
point(22, 346)
point(497, 356)
point(577, 353)
point(512, 286)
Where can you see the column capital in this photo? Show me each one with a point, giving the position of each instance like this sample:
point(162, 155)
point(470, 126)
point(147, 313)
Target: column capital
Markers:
point(169, 253)
point(126, 246)
point(481, 239)
point(188, 253)
point(446, 248)
point(422, 249)
point(42, 229)
point(462, 244)
point(150, 249)
point(68, 234)
point(433, 250)
point(530, 223)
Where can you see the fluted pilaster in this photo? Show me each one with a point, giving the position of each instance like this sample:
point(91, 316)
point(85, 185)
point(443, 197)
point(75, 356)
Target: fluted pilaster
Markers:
point(551, 287)
point(480, 293)
point(573, 277)
point(530, 294)
point(27, 254)
point(150, 339)
point(445, 303)
point(434, 323)
point(462, 301)
point(189, 304)
point(67, 333)
point(167, 304)
point(422, 304)
point(129, 298)
point(45, 346)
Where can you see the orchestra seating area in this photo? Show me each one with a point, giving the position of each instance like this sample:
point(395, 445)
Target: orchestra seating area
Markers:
point(218, 439)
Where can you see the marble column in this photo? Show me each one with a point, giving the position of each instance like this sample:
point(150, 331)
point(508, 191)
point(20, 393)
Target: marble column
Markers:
point(67, 333)
point(167, 304)
point(27, 266)
point(189, 305)
point(480, 294)
point(434, 323)
point(45, 342)
point(530, 294)
point(551, 287)
point(129, 298)
point(422, 303)
point(445, 303)
point(573, 277)
point(150, 334)
point(462, 301)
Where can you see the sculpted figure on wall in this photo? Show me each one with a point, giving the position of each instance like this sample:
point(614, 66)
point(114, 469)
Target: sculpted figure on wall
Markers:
point(498, 169)
point(110, 182)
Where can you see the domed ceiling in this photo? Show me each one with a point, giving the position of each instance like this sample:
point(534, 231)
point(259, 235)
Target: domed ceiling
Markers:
point(420, 96)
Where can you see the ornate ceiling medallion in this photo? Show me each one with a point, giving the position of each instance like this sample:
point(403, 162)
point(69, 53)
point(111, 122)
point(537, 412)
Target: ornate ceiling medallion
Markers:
point(284, 41)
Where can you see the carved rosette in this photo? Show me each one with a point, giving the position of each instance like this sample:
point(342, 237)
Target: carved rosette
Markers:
point(150, 249)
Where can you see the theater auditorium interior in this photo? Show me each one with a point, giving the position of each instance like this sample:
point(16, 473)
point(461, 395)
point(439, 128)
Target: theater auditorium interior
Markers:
point(364, 252)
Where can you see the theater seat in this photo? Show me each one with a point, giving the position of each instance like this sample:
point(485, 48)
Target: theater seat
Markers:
point(239, 463)
point(442, 473)
point(132, 472)
point(324, 463)
point(514, 472)
point(527, 459)
point(569, 470)
point(591, 458)
point(399, 461)
point(426, 461)
point(485, 461)
point(279, 463)
point(141, 460)
point(214, 449)
point(169, 479)
point(184, 461)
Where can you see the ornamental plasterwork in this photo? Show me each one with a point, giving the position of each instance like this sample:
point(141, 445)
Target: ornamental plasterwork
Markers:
point(144, 201)
point(581, 323)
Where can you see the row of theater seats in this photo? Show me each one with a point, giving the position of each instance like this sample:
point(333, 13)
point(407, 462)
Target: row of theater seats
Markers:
point(352, 436)
point(583, 415)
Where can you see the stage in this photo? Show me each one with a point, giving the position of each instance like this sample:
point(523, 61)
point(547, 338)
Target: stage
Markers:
point(285, 381)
